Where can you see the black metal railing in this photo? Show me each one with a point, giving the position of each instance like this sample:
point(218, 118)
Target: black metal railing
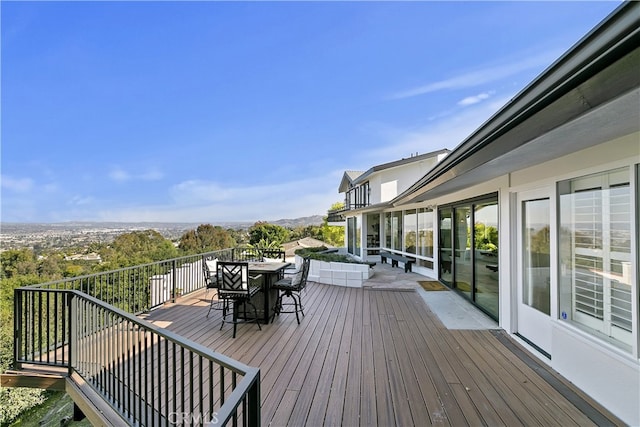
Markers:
point(336, 215)
point(150, 376)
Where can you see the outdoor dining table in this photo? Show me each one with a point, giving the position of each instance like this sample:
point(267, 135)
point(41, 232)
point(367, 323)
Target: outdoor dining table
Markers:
point(266, 299)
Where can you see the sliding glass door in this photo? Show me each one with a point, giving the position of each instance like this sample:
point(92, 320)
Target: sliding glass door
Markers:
point(468, 250)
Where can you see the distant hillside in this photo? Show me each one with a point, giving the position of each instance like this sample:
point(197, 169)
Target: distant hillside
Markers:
point(299, 222)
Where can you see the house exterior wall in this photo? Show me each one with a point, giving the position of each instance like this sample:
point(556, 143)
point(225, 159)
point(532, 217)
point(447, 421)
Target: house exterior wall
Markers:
point(388, 183)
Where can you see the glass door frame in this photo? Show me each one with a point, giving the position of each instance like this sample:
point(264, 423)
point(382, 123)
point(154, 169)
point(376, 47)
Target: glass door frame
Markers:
point(533, 325)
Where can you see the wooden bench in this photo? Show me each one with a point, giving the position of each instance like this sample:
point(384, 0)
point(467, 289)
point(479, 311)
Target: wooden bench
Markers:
point(395, 258)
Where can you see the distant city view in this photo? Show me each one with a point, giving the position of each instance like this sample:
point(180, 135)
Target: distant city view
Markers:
point(39, 236)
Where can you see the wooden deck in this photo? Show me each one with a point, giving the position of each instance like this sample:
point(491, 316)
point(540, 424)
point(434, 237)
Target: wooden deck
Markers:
point(375, 357)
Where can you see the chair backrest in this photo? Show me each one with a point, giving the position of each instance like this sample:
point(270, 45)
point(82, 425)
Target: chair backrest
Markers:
point(234, 277)
point(210, 271)
point(299, 281)
point(273, 255)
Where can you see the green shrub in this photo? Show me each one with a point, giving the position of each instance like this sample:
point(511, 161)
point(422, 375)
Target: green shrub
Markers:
point(305, 252)
point(14, 401)
point(315, 253)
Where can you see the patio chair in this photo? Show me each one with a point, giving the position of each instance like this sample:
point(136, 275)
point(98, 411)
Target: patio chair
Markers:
point(212, 281)
point(292, 287)
point(273, 255)
point(236, 288)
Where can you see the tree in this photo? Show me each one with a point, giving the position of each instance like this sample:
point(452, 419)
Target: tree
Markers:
point(268, 234)
point(313, 231)
point(49, 267)
point(333, 234)
point(17, 262)
point(189, 242)
point(141, 247)
point(206, 238)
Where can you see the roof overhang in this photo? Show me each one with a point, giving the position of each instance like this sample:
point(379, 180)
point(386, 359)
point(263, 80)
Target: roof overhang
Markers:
point(351, 178)
point(347, 180)
point(587, 97)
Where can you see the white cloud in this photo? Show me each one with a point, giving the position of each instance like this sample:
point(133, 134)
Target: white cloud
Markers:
point(19, 185)
point(491, 73)
point(207, 201)
point(120, 175)
point(445, 132)
point(470, 100)
point(80, 200)
point(151, 175)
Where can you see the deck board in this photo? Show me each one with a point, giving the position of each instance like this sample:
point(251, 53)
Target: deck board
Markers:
point(376, 357)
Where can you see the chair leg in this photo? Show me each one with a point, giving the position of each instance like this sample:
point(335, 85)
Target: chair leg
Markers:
point(277, 307)
point(224, 317)
point(295, 307)
point(235, 321)
point(301, 308)
point(210, 304)
point(255, 313)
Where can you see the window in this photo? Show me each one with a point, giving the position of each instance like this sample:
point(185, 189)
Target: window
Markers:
point(350, 234)
point(446, 245)
point(396, 230)
point(353, 236)
point(410, 231)
point(595, 255)
point(425, 232)
point(387, 229)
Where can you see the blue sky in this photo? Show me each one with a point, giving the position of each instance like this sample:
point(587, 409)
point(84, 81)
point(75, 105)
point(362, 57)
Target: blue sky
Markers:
point(244, 111)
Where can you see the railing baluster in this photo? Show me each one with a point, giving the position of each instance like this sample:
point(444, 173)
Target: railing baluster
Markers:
point(166, 377)
point(233, 386)
point(139, 374)
point(191, 379)
point(221, 387)
point(33, 326)
point(47, 332)
point(175, 376)
point(144, 378)
point(68, 298)
point(200, 387)
point(211, 388)
point(182, 374)
point(153, 377)
point(55, 329)
point(134, 382)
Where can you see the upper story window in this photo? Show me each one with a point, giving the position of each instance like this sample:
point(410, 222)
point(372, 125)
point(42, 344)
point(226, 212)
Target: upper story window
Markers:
point(358, 196)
